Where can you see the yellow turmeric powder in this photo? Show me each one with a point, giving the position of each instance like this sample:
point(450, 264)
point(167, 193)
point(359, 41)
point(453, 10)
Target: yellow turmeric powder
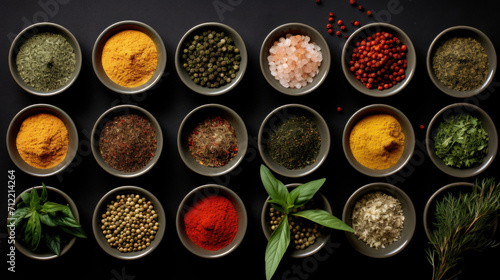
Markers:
point(42, 141)
point(129, 58)
point(377, 141)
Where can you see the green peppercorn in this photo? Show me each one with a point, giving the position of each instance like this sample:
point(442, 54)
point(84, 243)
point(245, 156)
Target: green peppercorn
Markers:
point(211, 54)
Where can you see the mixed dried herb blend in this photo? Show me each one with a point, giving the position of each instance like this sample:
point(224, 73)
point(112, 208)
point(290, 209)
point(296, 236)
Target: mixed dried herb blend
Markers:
point(295, 143)
point(213, 142)
point(461, 63)
point(128, 142)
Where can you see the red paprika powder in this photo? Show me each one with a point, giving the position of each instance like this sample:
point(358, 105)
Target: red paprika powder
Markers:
point(211, 223)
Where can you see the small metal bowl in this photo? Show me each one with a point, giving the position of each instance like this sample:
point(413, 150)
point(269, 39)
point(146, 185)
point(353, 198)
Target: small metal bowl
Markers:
point(13, 130)
point(406, 128)
point(101, 209)
point(488, 125)
point(196, 116)
point(363, 33)
point(409, 222)
point(295, 29)
point(462, 31)
point(196, 195)
point(196, 30)
point(54, 195)
point(29, 32)
point(280, 115)
point(108, 116)
point(116, 28)
point(320, 241)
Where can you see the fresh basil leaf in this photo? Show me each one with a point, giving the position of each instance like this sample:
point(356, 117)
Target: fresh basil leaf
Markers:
point(324, 218)
point(26, 198)
point(291, 199)
point(75, 231)
point(274, 187)
point(33, 231)
point(20, 214)
point(53, 241)
point(306, 192)
point(276, 247)
point(48, 219)
point(51, 207)
point(65, 218)
point(35, 199)
point(44, 196)
point(278, 205)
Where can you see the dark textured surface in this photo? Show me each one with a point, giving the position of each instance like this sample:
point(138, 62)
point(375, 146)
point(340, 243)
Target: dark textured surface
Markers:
point(170, 180)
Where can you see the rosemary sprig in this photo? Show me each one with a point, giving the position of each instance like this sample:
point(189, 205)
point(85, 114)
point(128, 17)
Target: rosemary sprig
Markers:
point(463, 223)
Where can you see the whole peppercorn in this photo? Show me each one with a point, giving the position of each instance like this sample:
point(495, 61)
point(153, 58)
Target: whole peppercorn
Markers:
point(338, 33)
point(369, 13)
point(330, 19)
point(339, 22)
point(211, 59)
point(328, 26)
point(330, 30)
point(379, 61)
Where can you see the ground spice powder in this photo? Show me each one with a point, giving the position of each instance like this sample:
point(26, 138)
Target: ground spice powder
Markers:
point(212, 223)
point(129, 58)
point(377, 141)
point(42, 141)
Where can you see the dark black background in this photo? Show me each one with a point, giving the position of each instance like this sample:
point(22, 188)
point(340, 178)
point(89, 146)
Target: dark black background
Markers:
point(170, 180)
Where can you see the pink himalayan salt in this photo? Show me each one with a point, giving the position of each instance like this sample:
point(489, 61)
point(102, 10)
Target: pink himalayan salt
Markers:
point(294, 60)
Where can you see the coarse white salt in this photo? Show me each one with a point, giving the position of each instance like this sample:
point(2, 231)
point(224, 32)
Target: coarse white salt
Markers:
point(294, 60)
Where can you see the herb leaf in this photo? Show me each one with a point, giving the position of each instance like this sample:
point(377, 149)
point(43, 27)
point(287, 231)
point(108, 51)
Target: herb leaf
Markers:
point(44, 196)
point(53, 241)
point(276, 247)
point(306, 192)
point(275, 188)
point(33, 231)
point(51, 207)
point(324, 218)
point(75, 231)
point(20, 214)
point(34, 200)
point(461, 141)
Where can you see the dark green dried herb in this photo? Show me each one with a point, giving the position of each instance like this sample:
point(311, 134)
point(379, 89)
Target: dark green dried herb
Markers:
point(295, 143)
point(128, 143)
point(46, 61)
point(461, 64)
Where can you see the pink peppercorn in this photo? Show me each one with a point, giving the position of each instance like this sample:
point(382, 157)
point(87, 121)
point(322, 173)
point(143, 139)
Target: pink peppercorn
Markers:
point(379, 61)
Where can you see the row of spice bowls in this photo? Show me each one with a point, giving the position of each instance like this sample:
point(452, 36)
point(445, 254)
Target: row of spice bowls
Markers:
point(377, 59)
point(212, 140)
point(280, 115)
point(129, 222)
